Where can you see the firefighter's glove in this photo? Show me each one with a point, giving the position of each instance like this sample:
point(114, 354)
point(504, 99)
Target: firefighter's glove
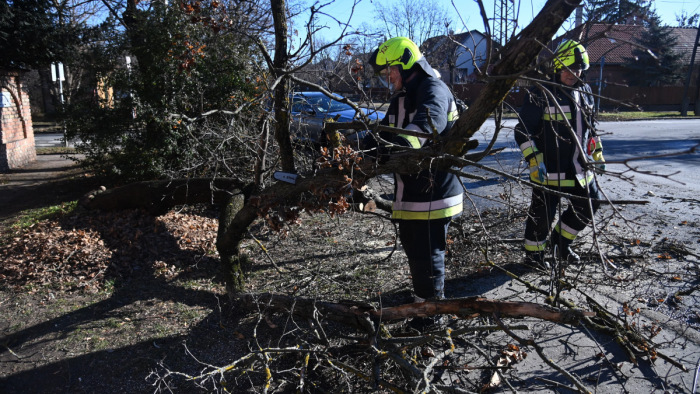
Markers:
point(595, 149)
point(542, 172)
point(538, 171)
point(599, 162)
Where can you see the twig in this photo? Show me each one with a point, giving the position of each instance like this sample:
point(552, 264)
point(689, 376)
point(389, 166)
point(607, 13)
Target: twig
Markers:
point(695, 379)
point(625, 337)
point(630, 337)
point(347, 368)
point(12, 352)
point(555, 383)
point(452, 389)
point(529, 342)
point(612, 366)
point(429, 368)
point(264, 249)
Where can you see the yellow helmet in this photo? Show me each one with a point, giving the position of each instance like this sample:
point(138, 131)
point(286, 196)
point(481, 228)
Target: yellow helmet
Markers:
point(397, 51)
point(570, 54)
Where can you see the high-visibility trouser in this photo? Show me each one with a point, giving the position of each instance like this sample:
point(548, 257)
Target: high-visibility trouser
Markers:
point(574, 219)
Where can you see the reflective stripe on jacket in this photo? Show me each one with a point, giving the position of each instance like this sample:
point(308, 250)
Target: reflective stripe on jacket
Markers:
point(552, 121)
point(430, 194)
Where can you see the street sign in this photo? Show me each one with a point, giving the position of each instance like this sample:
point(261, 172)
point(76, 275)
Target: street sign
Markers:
point(57, 72)
point(6, 100)
point(286, 177)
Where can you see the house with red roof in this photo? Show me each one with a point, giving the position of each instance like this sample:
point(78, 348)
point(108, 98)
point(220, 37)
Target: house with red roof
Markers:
point(610, 47)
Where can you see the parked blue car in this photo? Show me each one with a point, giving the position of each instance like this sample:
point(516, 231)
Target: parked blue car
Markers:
point(310, 109)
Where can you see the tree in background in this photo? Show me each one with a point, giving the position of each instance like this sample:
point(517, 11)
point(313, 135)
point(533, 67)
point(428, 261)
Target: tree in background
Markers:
point(189, 65)
point(37, 33)
point(415, 19)
point(655, 63)
point(617, 11)
point(31, 35)
point(339, 67)
point(686, 20)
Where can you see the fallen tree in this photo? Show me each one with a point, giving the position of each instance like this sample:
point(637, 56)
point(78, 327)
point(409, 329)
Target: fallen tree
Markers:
point(347, 169)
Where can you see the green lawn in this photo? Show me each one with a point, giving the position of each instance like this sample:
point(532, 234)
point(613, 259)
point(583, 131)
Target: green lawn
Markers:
point(629, 115)
point(640, 115)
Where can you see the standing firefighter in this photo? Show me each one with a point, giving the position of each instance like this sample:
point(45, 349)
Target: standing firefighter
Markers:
point(557, 138)
point(424, 203)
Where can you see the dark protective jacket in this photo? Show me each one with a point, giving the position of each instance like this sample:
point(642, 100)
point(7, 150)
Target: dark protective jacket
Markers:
point(430, 194)
point(551, 120)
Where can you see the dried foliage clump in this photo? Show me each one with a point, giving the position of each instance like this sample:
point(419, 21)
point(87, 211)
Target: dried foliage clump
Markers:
point(82, 252)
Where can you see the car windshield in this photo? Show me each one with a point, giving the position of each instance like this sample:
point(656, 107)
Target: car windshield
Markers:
point(318, 104)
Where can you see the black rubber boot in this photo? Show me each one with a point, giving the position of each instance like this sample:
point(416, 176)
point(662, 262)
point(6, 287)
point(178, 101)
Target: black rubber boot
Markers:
point(570, 256)
point(567, 255)
point(562, 251)
point(535, 260)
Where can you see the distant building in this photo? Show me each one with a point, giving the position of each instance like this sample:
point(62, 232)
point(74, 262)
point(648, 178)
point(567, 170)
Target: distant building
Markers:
point(16, 132)
point(457, 56)
point(610, 46)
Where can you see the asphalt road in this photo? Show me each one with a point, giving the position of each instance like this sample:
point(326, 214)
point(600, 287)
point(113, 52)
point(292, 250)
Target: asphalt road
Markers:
point(50, 140)
point(645, 153)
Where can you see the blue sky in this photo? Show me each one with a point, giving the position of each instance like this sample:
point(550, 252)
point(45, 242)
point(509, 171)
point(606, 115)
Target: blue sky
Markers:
point(666, 9)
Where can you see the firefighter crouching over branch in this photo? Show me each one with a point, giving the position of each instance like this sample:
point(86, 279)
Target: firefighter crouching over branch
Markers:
point(555, 123)
point(424, 203)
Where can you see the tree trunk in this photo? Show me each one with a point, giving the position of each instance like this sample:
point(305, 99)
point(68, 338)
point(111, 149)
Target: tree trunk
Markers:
point(279, 68)
point(234, 220)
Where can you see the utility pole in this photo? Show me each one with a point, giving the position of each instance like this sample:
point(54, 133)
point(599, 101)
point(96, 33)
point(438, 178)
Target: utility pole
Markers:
point(686, 86)
point(505, 20)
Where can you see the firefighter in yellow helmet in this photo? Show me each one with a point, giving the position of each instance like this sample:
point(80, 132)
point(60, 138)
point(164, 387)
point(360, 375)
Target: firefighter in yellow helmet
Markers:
point(561, 148)
point(424, 202)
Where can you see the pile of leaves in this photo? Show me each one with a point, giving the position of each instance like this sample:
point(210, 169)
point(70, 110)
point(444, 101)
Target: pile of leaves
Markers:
point(87, 250)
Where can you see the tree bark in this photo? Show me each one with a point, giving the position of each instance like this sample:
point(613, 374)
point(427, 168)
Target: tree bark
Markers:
point(234, 220)
point(281, 98)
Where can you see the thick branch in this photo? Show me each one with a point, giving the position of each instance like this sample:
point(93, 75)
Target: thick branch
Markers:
point(358, 315)
point(471, 305)
point(157, 196)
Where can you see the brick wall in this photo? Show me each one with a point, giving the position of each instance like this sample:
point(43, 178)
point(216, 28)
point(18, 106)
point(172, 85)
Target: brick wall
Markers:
point(17, 142)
